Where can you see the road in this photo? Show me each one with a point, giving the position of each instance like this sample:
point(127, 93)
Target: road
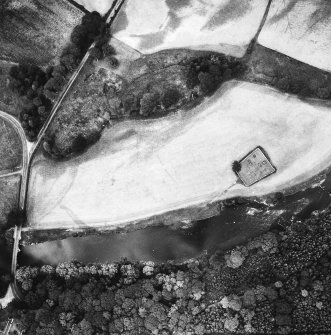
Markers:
point(28, 156)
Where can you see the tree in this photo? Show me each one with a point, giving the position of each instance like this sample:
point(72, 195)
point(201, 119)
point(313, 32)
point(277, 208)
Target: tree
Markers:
point(170, 97)
point(78, 36)
point(79, 144)
point(69, 61)
point(113, 62)
point(16, 218)
point(72, 49)
point(96, 53)
point(59, 70)
point(149, 103)
point(236, 166)
point(108, 50)
point(82, 328)
point(129, 104)
point(192, 79)
point(91, 19)
point(208, 82)
point(54, 84)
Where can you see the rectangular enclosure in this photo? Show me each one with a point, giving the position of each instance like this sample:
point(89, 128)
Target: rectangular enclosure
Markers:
point(255, 166)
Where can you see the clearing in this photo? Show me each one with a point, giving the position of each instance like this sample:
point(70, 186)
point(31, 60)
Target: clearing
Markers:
point(142, 169)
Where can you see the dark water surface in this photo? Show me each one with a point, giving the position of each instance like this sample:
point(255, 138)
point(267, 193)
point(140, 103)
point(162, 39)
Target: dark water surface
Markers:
point(234, 225)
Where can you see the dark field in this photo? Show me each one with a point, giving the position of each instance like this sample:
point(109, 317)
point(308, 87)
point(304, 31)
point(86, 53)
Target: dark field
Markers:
point(9, 192)
point(8, 100)
point(35, 31)
point(10, 148)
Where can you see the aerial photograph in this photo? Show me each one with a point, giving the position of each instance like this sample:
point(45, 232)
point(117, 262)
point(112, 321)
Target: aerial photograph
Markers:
point(165, 167)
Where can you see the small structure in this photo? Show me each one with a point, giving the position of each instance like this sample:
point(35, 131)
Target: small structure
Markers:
point(255, 166)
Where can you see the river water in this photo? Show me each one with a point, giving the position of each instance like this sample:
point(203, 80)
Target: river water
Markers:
point(234, 225)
